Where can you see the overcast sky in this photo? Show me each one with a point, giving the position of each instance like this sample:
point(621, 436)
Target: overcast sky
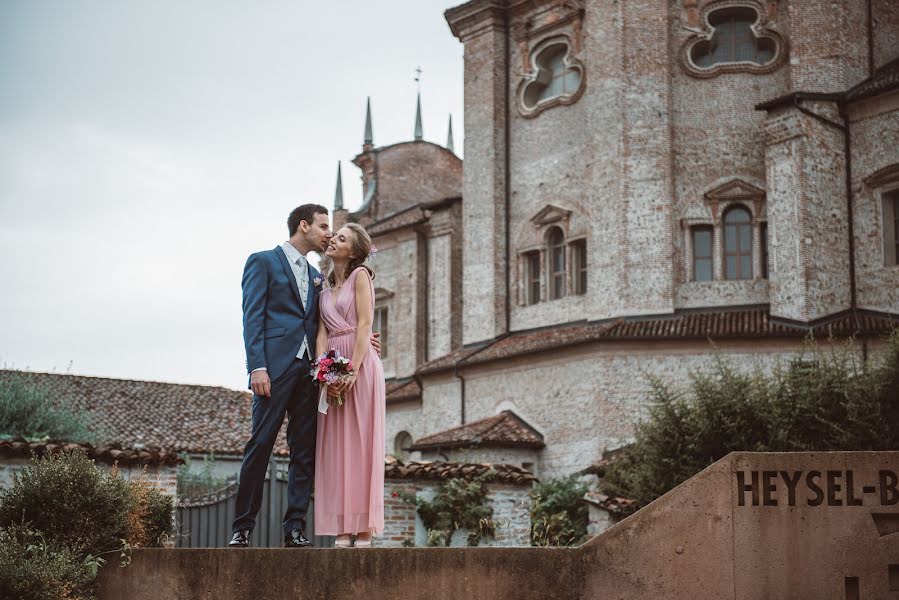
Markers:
point(147, 147)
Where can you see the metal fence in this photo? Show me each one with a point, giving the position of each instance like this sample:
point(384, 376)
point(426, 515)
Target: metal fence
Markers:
point(205, 521)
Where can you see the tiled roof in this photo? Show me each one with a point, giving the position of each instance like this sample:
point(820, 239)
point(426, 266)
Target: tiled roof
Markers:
point(181, 418)
point(395, 469)
point(614, 505)
point(884, 79)
point(404, 218)
point(402, 390)
point(503, 430)
point(697, 325)
point(109, 454)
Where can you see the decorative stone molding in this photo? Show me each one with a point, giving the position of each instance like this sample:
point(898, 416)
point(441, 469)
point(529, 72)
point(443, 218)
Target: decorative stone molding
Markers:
point(736, 191)
point(698, 21)
point(883, 177)
point(552, 214)
point(537, 76)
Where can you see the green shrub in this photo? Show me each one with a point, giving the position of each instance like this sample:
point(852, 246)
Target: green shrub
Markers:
point(30, 569)
point(558, 514)
point(825, 400)
point(193, 482)
point(29, 409)
point(80, 506)
point(458, 504)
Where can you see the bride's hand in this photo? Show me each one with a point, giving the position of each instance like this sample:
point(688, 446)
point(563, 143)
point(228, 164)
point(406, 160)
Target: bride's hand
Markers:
point(346, 384)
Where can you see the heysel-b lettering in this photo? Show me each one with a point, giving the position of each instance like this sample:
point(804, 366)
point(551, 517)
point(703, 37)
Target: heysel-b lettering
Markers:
point(827, 488)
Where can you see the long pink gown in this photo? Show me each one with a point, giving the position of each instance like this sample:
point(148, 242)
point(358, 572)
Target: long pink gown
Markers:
point(349, 450)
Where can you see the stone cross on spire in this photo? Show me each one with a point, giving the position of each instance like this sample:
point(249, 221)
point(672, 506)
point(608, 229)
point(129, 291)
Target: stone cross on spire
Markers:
point(418, 128)
point(368, 139)
point(338, 192)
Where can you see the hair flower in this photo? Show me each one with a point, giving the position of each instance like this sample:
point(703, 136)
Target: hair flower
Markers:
point(373, 251)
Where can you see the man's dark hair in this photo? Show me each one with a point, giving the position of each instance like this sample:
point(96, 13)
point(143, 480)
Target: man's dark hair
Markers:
point(307, 213)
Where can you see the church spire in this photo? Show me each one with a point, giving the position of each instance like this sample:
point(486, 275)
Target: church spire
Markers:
point(418, 129)
point(338, 193)
point(449, 136)
point(368, 139)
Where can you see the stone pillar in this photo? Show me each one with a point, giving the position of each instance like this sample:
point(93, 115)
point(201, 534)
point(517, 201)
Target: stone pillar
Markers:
point(480, 26)
point(807, 219)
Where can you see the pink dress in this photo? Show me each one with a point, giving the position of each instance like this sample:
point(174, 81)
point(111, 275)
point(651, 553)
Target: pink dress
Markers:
point(349, 450)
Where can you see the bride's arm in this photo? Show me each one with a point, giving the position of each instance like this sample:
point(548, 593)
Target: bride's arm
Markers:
point(364, 317)
point(321, 338)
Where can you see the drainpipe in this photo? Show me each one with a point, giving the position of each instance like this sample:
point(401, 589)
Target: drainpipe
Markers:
point(461, 391)
point(870, 39)
point(507, 172)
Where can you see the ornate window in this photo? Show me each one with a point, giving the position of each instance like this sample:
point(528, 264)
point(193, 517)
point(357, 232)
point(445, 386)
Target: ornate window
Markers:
point(555, 77)
point(379, 324)
point(532, 276)
point(735, 38)
point(579, 267)
point(737, 243)
point(890, 202)
point(702, 238)
point(555, 242)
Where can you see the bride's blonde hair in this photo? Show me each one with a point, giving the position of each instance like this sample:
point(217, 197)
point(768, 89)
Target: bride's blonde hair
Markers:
point(361, 249)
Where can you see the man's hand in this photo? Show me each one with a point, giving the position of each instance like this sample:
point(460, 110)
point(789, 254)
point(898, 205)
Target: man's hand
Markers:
point(261, 384)
point(376, 342)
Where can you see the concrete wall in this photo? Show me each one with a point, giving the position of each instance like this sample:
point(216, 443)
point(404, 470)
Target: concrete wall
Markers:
point(736, 531)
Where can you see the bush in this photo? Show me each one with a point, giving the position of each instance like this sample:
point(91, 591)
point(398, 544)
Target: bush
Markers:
point(823, 401)
point(558, 514)
point(76, 504)
point(30, 569)
point(458, 504)
point(28, 409)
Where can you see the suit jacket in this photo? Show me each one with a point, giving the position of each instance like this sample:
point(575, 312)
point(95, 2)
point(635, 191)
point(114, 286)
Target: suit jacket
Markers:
point(274, 318)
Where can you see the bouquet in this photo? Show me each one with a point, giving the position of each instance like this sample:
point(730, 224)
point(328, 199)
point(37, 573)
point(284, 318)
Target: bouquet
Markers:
point(329, 368)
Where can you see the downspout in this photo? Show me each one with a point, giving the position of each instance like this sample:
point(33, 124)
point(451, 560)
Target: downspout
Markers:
point(461, 391)
point(507, 175)
point(870, 39)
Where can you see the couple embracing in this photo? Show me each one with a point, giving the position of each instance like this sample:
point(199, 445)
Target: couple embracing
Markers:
point(292, 314)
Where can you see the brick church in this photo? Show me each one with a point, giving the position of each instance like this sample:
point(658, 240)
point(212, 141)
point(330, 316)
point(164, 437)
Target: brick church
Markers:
point(642, 178)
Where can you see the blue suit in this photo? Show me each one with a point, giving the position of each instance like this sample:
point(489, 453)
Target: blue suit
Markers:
point(274, 323)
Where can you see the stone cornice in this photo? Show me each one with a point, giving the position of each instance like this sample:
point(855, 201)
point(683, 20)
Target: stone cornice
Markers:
point(475, 17)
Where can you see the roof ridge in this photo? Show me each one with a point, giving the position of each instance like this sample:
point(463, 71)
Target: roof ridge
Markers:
point(123, 380)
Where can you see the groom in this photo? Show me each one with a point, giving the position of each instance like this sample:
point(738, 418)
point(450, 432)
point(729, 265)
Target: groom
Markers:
point(280, 323)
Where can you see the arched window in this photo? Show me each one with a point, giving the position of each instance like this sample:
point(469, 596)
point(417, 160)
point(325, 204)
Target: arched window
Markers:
point(733, 40)
point(555, 242)
point(401, 444)
point(555, 78)
point(737, 243)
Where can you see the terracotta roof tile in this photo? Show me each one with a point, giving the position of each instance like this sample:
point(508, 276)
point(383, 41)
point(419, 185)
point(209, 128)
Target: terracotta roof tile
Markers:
point(402, 390)
point(395, 469)
point(614, 505)
point(701, 325)
point(110, 453)
point(503, 430)
point(884, 79)
point(182, 418)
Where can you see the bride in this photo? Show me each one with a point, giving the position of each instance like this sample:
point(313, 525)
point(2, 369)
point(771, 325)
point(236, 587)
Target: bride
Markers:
point(349, 451)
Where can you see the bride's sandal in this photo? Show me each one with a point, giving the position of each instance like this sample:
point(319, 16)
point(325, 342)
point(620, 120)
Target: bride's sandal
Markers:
point(360, 543)
point(342, 541)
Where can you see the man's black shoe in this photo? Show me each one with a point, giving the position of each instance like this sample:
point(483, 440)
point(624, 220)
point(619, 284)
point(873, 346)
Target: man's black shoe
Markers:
point(240, 539)
point(296, 539)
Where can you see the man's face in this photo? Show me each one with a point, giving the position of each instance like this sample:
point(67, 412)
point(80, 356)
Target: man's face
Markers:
point(318, 232)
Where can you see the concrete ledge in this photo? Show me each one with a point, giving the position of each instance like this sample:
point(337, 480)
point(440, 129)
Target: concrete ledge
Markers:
point(752, 526)
point(388, 573)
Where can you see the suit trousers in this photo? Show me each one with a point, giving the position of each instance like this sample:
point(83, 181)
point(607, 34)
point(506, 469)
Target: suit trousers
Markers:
point(294, 394)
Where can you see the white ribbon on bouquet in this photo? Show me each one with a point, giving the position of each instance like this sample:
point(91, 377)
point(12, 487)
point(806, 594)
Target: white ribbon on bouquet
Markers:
point(323, 399)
